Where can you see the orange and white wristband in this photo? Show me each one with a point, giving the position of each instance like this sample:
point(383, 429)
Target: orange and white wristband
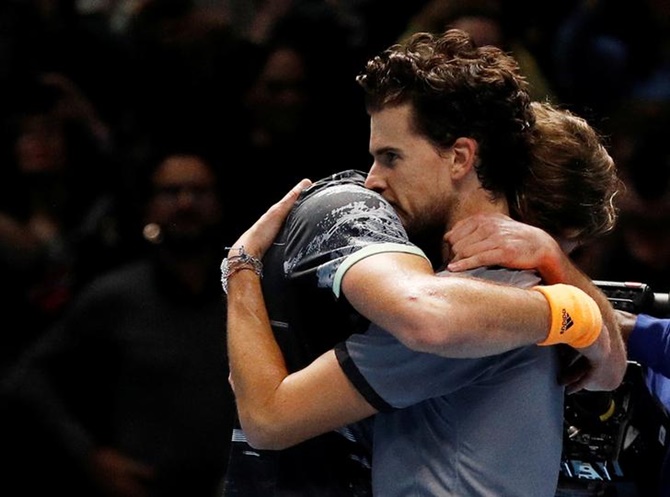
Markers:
point(575, 317)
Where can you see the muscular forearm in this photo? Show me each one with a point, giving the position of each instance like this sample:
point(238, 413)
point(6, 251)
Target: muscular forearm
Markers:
point(483, 319)
point(453, 317)
point(563, 270)
point(278, 409)
point(559, 268)
point(489, 240)
point(257, 366)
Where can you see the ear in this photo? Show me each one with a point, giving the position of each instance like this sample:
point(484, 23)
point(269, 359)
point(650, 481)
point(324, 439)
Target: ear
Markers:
point(465, 157)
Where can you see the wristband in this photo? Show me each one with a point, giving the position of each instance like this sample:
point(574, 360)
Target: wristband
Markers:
point(575, 317)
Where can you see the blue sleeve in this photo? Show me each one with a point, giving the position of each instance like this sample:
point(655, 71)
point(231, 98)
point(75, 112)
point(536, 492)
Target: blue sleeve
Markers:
point(649, 343)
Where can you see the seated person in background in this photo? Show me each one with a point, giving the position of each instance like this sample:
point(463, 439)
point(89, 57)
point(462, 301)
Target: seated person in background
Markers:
point(130, 387)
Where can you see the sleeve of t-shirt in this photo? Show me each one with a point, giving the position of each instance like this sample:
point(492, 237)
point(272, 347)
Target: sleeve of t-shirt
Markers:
point(338, 226)
point(389, 375)
point(649, 343)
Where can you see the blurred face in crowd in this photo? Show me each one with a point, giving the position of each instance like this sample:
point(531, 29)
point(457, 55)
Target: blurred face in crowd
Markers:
point(484, 30)
point(40, 147)
point(185, 204)
point(279, 96)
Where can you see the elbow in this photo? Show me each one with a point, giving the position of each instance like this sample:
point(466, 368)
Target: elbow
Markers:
point(262, 440)
point(263, 433)
point(426, 321)
point(435, 339)
point(418, 339)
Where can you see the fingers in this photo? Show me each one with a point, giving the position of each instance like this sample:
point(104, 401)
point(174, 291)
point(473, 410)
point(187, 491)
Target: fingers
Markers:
point(480, 258)
point(475, 242)
point(462, 229)
point(575, 387)
point(302, 185)
point(474, 249)
point(286, 203)
point(471, 244)
point(574, 375)
point(262, 233)
point(277, 214)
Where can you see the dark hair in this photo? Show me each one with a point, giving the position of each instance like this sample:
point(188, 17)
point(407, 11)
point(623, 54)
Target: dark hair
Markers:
point(457, 89)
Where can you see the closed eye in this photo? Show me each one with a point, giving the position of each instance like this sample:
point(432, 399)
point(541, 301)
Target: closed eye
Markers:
point(388, 158)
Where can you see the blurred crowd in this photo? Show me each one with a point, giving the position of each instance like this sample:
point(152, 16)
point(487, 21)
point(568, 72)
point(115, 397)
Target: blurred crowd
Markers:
point(98, 94)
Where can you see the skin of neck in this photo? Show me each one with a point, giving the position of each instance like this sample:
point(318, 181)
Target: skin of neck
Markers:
point(471, 200)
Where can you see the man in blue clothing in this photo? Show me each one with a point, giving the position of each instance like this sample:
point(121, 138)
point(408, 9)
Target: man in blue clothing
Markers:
point(648, 341)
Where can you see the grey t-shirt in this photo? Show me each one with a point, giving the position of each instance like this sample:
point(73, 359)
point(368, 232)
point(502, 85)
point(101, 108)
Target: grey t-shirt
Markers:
point(460, 427)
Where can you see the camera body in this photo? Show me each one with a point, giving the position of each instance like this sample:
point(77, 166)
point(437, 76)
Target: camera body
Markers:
point(635, 297)
point(615, 442)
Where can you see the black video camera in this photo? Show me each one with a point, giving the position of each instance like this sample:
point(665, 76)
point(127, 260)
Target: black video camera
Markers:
point(635, 297)
point(615, 442)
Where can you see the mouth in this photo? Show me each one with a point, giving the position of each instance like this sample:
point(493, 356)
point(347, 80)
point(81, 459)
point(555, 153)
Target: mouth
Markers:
point(386, 197)
point(400, 213)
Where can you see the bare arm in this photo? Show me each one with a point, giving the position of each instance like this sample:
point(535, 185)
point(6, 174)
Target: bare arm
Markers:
point(499, 240)
point(276, 409)
point(453, 317)
point(626, 322)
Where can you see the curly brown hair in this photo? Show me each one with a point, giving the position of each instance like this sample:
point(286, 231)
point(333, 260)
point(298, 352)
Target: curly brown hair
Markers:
point(457, 89)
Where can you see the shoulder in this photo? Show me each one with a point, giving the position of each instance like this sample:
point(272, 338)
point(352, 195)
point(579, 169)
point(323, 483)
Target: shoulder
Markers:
point(339, 191)
point(339, 212)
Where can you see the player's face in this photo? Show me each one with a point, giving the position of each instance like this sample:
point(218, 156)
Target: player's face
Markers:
point(408, 170)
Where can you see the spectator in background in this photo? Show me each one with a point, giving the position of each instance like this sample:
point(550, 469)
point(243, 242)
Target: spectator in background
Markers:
point(488, 24)
point(188, 70)
point(294, 108)
point(52, 36)
point(604, 52)
point(56, 223)
point(127, 395)
point(639, 247)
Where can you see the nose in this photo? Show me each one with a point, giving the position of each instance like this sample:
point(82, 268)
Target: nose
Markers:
point(374, 180)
